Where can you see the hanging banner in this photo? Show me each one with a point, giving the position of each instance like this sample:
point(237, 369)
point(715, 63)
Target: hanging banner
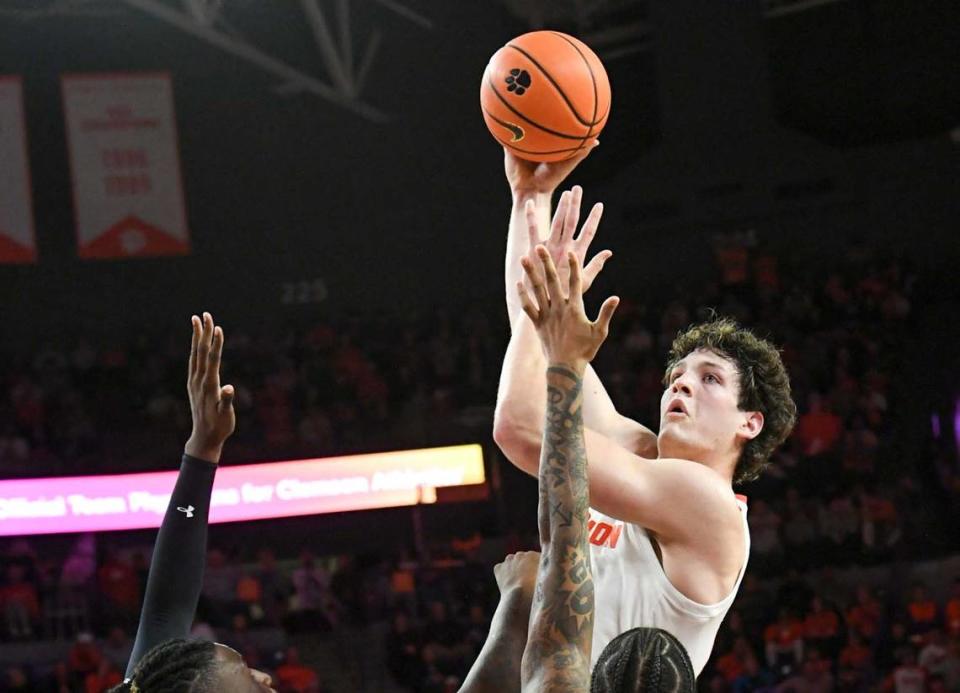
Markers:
point(125, 162)
point(17, 241)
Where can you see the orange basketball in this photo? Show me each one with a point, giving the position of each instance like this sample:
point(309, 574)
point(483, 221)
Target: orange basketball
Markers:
point(545, 96)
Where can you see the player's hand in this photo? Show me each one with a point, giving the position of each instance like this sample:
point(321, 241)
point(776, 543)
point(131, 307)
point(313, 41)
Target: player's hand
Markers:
point(210, 404)
point(518, 573)
point(567, 335)
point(561, 239)
point(531, 177)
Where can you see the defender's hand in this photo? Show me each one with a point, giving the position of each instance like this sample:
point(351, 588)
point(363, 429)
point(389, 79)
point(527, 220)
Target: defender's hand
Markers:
point(567, 335)
point(518, 572)
point(561, 239)
point(530, 177)
point(210, 404)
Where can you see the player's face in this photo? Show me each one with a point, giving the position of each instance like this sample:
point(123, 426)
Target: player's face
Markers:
point(699, 417)
point(234, 674)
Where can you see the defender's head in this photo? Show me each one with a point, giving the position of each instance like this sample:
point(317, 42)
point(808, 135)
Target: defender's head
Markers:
point(194, 666)
point(726, 397)
point(643, 660)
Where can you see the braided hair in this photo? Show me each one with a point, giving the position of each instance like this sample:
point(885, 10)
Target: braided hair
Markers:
point(173, 666)
point(647, 660)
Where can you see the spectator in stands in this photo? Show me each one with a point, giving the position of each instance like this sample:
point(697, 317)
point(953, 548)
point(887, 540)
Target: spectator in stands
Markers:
point(765, 541)
point(855, 663)
point(754, 678)
point(921, 612)
point(813, 677)
point(839, 522)
point(117, 646)
point(238, 635)
point(951, 609)
point(733, 665)
point(219, 587)
point(864, 616)
point(475, 628)
point(120, 586)
point(83, 659)
point(444, 645)
point(404, 644)
point(17, 679)
point(753, 603)
point(249, 597)
point(106, 676)
point(819, 428)
point(881, 521)
point(933, 654)
point(313, 607)
point(275, 586)
point(951, 665)
point(821, 628)
point(908, 677)
point(799, 531)
point(295, 677)
point(784, 642)
point(20, 603)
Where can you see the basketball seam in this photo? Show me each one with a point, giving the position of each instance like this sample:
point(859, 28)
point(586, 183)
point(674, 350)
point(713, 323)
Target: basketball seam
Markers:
point(517, 113)
point(501, 122)
point(533, 151)
point(556, 86)
point(593, 80)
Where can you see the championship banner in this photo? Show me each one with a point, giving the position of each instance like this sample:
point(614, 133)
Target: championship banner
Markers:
point(246, 492)
point(125, 162)
point(17, 241)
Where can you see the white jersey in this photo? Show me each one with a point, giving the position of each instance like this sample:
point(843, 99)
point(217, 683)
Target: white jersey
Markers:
point(631, 590)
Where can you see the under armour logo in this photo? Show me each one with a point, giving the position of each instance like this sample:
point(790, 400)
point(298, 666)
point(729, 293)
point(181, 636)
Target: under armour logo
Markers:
point(188, 511)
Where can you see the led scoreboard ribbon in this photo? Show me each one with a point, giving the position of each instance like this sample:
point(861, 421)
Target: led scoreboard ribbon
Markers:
point(243, 492)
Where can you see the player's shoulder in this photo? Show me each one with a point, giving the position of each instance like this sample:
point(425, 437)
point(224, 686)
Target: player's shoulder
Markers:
point(700, 484)
point(695, 473)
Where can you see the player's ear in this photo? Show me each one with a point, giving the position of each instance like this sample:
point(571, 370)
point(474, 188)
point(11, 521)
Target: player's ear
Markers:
point(751, 425)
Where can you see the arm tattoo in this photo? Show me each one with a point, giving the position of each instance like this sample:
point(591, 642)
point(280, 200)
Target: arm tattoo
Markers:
point(557, 657)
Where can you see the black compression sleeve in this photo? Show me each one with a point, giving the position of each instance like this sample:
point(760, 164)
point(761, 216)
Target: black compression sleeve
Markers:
point(176, 570)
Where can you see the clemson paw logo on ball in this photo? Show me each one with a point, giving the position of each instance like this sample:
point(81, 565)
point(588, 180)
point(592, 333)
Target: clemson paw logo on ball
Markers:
point(518, 81)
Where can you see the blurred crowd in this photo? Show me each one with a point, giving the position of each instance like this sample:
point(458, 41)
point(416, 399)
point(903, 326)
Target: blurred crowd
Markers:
point(818, 630)
point(841, 493)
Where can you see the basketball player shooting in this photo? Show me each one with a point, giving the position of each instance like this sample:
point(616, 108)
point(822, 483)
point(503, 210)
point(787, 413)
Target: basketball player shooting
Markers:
point(675, 539)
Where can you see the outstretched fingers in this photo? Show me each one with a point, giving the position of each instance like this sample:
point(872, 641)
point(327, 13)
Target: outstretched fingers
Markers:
point(594, 267)
point(589, 230)
point(203, 346)
point(533, 231)
point(573, 213)
point(212, 376)
point(527, 304)
point(576, 281)
point(194, 345)
point(536, 280)
point(559, 218)
point(602, 324)
point(554, 289)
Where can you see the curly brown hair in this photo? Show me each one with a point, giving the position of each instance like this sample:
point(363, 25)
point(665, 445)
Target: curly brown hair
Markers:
point(764, 385)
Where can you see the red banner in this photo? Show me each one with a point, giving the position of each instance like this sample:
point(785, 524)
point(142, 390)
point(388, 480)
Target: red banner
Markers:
point(17, 240)
point(127, 189)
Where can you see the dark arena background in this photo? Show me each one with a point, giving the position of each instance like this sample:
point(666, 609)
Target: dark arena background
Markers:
point(335, 201)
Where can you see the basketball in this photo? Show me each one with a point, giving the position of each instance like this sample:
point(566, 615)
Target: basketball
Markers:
point(545, 96)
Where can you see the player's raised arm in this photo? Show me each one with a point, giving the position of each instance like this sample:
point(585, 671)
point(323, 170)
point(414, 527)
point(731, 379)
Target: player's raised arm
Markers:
point(518, 410)
point(683, 501)
point(176, 570)
point(557, 655)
